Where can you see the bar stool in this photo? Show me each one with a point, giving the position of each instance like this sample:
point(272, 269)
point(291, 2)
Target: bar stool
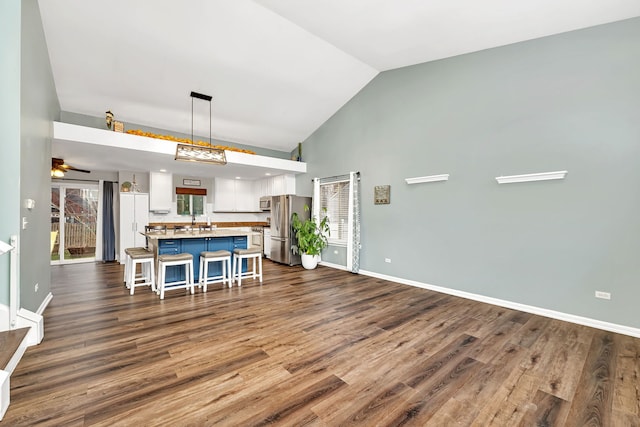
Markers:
point(239, 255)
point(155, 229)
point(165, 261)
point(127, 262)
point(145, 259)
point(223, 257)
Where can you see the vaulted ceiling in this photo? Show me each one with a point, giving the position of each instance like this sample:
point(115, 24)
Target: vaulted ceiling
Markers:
point(277, 69)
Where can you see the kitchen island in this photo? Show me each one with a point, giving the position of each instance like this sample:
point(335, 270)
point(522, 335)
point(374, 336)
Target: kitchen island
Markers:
point(194, 242)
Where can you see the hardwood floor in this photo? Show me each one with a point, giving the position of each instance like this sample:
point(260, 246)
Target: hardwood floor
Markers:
point(317, 348)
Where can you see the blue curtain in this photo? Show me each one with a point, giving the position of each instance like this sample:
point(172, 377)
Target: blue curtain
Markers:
point(108, 230)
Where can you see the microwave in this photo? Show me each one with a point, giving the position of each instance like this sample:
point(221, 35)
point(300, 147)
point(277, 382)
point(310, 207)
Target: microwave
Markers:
point(265, 203)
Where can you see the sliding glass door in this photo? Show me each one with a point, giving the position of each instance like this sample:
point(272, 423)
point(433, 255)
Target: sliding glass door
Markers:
point(74, 219)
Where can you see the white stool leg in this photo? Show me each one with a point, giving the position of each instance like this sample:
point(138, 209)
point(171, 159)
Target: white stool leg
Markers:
point(190, 267)
point(254, 268)
point(204, 273)
point(233, 270)
point(229, 271)
point(161, 271)
point(239, 270)
point(126, 269)
point(132, 279)
point(260, 265)
point(224, 272)
point(151, 273)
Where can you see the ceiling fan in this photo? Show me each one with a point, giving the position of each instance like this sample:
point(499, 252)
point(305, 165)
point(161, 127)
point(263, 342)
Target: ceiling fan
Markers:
point(58, 168)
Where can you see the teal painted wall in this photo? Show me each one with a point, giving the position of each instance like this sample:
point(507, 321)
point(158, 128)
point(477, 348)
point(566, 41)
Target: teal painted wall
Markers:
point(39, 108)
point(566, 102)
point(10, 24)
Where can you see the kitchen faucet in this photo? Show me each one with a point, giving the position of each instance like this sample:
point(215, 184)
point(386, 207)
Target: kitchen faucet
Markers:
point(193, 219)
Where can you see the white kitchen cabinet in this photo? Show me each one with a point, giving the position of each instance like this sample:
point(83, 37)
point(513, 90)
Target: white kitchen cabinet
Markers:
point(233, 195)
point(134, 216)
point(160, 192)
point(277, 185)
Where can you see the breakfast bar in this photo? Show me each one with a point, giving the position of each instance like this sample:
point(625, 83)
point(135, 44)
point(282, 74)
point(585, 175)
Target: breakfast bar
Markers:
point(194, 242)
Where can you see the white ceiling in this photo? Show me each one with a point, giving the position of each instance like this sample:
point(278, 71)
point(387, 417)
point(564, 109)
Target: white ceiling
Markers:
point(277, 69)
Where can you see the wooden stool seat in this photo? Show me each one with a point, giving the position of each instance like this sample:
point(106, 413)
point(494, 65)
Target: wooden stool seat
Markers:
point(241, 254)
point(221, 256)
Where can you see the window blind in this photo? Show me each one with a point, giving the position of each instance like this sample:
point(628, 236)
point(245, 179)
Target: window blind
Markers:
point(334, 197)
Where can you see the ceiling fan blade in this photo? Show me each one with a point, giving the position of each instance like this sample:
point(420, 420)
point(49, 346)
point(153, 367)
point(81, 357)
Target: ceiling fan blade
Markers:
point(60, 165)
point(71, 168)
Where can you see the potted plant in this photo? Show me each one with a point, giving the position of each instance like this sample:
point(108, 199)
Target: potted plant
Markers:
point(312, 238)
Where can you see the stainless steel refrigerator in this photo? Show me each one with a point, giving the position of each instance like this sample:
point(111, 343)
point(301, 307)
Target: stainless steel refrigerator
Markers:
point(282, 207)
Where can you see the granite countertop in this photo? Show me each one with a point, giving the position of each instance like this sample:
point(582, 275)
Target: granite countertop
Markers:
point(218, 232)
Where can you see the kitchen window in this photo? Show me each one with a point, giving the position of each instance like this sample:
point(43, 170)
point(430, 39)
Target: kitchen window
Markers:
point(190, 201)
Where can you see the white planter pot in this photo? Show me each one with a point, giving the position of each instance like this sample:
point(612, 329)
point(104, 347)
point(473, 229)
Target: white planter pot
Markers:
point(310, 261)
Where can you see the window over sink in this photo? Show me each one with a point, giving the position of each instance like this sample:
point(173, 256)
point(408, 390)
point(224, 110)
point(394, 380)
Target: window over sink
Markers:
point(190, 201)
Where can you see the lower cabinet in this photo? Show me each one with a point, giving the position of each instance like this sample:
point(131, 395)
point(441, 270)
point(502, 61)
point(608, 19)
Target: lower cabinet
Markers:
point(194, 247)
point(218, 244)
point(171, 247)
point(240, 242)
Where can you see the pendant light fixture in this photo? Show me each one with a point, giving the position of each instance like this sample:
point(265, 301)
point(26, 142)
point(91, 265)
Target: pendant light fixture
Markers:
point(198, 153)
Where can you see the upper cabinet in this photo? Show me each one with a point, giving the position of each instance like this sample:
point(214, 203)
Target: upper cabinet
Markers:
point(160, 192)
point(234, 195)
point(277, 185)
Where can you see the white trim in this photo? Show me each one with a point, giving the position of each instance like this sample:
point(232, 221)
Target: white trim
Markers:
point(35, 323)
point(585, 321)
point(14, 280)
point(542, 176)
point(430, 178)
point(117, 142)
point(13, 362)
point(4, 392)
point(45, 303)
point(332, 265)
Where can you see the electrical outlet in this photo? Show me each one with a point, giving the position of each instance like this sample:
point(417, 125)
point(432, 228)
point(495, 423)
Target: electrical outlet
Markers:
point(388, 260)
point(603, 295)
point(36, 287)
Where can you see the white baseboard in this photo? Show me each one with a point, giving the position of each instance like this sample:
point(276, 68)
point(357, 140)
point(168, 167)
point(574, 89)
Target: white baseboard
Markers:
point(331, 265)
point(4, 392)
point(35, 323)
point(585, 321)
point(27, 319)
point(45, 303)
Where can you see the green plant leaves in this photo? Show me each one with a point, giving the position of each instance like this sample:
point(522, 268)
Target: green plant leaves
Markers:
point(311, 236)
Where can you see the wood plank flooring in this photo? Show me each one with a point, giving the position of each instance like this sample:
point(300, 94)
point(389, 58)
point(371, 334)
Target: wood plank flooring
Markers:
point(312, 348)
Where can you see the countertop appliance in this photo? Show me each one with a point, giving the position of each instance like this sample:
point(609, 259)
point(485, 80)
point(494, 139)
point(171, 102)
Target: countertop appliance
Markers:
point(282, 207)
point(265, 203)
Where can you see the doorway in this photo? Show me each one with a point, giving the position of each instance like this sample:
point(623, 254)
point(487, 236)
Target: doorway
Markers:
point(74, 220)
